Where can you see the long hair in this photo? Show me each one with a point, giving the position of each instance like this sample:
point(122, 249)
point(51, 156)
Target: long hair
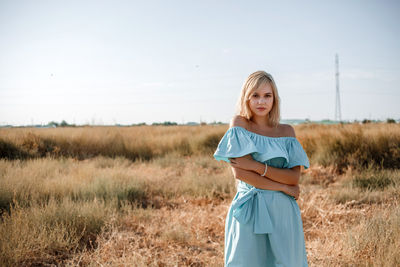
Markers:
point(252, 83)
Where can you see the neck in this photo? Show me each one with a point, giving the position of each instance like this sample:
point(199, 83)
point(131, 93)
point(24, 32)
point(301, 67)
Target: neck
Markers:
point(260, 121)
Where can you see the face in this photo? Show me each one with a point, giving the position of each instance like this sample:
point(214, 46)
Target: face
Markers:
point(261, 100)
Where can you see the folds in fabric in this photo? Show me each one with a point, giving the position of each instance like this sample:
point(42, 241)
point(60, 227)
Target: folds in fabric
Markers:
point(238, 141)
point(252, 207)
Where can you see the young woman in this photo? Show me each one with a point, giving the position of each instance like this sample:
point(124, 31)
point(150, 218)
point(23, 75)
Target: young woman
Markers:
point(263, 226)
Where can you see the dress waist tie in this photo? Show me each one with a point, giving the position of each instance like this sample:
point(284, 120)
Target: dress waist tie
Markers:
point(252, 207)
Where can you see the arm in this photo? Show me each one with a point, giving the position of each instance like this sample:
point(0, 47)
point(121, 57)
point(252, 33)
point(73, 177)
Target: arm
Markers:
point(261, 182)
point(285, 176)
point(250, 173)
point(256, 180)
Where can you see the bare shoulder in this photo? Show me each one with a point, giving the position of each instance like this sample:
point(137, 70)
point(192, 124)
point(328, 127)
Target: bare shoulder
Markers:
point(238, 120)
point(287, 130)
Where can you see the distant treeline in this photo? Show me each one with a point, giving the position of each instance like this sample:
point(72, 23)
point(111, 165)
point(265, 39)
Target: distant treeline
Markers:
point(54, 124)
point(63, 123)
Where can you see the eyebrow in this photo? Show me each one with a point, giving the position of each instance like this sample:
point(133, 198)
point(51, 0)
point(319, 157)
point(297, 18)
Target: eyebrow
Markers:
point(265, 93)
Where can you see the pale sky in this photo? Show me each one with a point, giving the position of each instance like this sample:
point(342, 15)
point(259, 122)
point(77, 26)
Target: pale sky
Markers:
point(153, 61)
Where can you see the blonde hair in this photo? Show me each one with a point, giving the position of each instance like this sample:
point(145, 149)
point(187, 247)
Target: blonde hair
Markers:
point(252, 83)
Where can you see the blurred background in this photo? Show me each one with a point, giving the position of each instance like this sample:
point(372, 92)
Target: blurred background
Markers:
point(132, 62)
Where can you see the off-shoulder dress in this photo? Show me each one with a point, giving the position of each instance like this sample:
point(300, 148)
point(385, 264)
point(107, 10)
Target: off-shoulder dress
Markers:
point(263, 227)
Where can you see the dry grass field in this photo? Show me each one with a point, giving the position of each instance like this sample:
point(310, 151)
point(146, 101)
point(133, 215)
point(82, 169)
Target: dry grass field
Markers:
point(154, 196)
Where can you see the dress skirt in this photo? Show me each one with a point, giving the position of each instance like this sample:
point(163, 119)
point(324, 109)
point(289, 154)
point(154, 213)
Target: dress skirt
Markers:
point(263, 228)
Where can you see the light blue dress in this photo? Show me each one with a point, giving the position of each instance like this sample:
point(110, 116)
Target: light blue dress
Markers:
point(263, 227)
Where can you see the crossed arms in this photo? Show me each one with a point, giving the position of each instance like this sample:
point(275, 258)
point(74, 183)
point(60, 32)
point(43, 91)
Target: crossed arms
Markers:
point(249, 171)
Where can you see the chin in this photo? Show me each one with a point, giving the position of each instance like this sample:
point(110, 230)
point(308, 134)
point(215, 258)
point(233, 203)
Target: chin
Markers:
point(261, 114)
point(265, 112)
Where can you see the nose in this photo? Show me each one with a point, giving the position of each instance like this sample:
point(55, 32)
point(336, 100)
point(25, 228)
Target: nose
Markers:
point(262, 100)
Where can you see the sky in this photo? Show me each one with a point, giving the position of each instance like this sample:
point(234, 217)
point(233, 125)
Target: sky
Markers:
point(125, 62)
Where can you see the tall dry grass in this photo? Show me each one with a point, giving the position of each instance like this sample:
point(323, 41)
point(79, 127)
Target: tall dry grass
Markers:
point(54, 208)
point(50, 233)
point(36, 181)
point(93, 204)
point(353, 146)
point(341, 146)
point(144, 142)
point(375, 241)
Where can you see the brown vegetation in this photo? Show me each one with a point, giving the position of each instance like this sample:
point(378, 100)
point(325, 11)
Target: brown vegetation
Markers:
point(154, 196)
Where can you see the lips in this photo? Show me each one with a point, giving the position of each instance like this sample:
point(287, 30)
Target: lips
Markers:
point(261, 109)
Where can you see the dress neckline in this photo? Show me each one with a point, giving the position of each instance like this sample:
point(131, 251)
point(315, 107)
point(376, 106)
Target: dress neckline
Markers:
point(268, 137)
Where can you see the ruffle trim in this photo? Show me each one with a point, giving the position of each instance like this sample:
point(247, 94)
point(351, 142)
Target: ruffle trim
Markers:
point(238, 141)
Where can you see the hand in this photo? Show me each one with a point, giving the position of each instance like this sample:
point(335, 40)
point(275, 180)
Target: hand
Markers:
point(292, 190)
point(246, 162)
